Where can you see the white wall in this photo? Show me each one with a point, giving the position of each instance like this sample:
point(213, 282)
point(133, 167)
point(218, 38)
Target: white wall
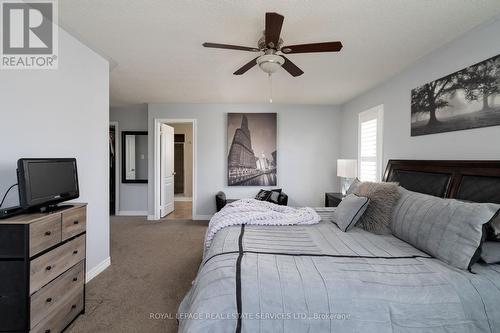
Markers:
point(308, 141)
point(483, 143)
point(62, 113)
point(133, 197)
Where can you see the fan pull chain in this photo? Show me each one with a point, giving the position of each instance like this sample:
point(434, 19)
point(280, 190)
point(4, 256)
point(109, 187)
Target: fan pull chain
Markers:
point(270, 88)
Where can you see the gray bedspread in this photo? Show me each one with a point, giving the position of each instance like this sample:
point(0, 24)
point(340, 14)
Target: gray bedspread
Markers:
point(318, 279)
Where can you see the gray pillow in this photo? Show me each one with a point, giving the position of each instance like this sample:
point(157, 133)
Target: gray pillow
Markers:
point(354, 186)
point(490, 252)
point(447, 229)
point(348, 212)
point(383, 198)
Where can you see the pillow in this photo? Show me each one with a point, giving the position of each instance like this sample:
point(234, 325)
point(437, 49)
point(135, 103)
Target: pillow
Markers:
point(349, 211)
point(447, 229)
point(383, 197)
point(354, 186)
point(490, 252)
point(275, 194)
point(263, 195)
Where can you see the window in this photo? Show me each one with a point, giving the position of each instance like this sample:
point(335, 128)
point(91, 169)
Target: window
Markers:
point(370, 144)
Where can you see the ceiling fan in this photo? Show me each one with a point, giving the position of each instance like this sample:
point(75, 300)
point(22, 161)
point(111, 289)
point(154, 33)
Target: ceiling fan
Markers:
point(272, 46)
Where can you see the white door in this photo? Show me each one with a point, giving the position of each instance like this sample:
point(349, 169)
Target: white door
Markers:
point(166, 170)
point(130, 158)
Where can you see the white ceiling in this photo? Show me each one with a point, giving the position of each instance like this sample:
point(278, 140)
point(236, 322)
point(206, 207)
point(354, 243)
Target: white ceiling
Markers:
point(156, 53)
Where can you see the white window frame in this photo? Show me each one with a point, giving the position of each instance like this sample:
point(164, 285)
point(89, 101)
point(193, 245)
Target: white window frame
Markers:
point(376, 112)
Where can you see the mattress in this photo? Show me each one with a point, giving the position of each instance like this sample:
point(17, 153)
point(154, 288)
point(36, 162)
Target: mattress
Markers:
point(318, 279)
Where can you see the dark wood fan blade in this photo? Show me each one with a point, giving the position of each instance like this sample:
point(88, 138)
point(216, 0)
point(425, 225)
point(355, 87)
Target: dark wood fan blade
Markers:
point(274, 22)
point(246, 67)
point(291, 68)
point(314, 47)
point(231, 47)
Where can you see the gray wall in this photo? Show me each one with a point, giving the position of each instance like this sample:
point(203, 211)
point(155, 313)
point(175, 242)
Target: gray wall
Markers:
point(62, 113)
point(475, 46)
point(308, 141)
point(133, 197)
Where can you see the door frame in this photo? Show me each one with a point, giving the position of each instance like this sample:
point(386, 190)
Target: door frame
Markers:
point(156, 158)
point(115, 124)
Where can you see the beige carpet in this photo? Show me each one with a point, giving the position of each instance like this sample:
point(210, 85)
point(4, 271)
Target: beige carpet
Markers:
point(152, 266)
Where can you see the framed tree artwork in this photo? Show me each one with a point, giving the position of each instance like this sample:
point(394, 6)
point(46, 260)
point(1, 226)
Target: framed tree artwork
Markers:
point(252, 153)
point(469, 98)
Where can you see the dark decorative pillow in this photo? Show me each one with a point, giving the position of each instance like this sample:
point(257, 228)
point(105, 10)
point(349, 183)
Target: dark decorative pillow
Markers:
point(493, 230)
point(383, 198)
point(263, 195)
point(275, 194)
point(490, 253)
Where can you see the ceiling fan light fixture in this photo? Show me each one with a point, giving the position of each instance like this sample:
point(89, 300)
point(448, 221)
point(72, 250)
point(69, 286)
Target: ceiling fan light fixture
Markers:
point(270, 63)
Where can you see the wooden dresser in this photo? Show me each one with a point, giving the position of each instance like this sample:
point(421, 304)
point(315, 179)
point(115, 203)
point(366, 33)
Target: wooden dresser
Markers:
point(42, 270)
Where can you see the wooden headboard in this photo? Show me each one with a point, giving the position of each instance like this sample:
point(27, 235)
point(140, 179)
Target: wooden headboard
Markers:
point(477, 181)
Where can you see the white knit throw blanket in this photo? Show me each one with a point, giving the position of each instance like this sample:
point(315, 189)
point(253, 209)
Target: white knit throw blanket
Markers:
point(251, 211)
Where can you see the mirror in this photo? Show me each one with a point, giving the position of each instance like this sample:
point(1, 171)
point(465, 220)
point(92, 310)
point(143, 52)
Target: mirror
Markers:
point(134, 157)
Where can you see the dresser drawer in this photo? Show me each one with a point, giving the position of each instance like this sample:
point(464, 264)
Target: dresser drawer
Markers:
point(44, 234)
point(73, 222)
point(50, 265)
point(49, 297)
point(70, 306)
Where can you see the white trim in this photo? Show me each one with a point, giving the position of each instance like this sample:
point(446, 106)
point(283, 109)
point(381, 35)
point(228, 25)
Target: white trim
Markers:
point(202, 217)
point(133, 213)
point(117, 165)
point(97, 269)
point(156, 159)
point(376, 112)
point(183, 199)
point(151, 218)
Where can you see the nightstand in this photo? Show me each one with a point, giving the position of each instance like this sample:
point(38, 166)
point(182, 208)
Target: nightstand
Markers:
point(333, 199)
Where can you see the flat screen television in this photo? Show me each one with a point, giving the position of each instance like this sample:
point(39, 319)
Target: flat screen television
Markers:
point(45, 182)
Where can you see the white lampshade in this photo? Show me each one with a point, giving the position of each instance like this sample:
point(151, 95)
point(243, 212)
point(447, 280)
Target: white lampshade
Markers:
point(347, 168)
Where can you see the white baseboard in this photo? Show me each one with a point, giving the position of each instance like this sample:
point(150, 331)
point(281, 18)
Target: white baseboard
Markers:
point(97, 269)
point(202, 217)
point(183, 199)
point(132, 213)
point(151, 218)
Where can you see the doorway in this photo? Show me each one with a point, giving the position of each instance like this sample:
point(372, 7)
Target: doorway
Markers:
point(174, 168)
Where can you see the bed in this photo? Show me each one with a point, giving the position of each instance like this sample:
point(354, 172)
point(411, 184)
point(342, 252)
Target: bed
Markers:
point(316, 278)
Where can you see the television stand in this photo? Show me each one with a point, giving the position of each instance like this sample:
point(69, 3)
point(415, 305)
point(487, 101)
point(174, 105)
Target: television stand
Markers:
point(42, 270)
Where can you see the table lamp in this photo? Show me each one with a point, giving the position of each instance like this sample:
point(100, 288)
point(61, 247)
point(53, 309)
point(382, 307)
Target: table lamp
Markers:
point(347, 170)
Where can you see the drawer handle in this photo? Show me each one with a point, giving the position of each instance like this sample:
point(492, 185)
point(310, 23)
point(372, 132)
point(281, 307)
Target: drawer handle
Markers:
point(48, 300)
point(48, 268)
point(47, 233)
point(75, 222)
point(75, 252)
point(73, 306)
point(75, 279)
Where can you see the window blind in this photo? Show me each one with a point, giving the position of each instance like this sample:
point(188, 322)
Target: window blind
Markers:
point(369, 150)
